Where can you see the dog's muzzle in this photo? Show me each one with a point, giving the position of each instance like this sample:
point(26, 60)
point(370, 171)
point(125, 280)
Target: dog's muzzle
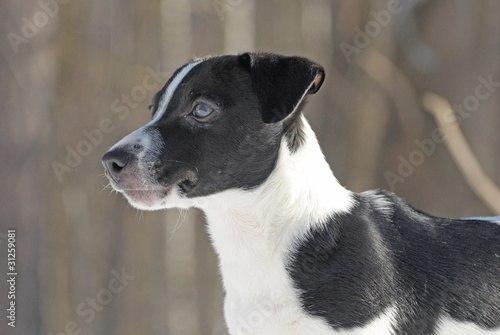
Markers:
point(143, 178)
point(127, 175)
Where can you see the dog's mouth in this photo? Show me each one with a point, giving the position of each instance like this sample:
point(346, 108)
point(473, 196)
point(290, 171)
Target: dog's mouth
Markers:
point(145, 194)
point(188, 182)
point(186, 186)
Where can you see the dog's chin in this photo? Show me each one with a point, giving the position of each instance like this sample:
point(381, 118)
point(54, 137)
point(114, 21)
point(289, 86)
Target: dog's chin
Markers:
point(147, 199)
point(165, 198)
point(148, 196)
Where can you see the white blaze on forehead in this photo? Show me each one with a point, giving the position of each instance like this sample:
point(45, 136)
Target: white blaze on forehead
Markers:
point(148, 139)
point(167, 96)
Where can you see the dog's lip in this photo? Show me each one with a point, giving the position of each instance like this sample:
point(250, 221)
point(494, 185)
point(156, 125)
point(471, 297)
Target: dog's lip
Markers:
point(146, 195)
point(119, 187)
point(138, 191)
point(185, 181)
point(146, 190)
point(158, 189)
point(187, 184)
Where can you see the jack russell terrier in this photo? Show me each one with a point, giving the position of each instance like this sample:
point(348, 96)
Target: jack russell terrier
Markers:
point(300, 254)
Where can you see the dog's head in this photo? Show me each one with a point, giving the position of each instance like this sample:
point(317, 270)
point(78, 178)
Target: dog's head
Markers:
point(217, 124)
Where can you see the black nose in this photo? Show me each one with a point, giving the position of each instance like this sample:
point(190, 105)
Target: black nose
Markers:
point(115, 161)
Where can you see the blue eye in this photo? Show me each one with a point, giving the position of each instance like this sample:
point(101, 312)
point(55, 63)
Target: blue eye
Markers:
point(200, 111)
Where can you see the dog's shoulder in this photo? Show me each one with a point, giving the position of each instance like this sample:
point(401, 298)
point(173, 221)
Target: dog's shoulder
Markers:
point(384, 253)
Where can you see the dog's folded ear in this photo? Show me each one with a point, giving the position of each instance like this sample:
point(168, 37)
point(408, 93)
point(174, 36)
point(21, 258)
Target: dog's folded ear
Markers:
point(281, 83)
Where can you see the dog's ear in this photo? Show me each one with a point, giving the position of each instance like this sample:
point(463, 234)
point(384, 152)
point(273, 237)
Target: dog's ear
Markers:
point(281, 83)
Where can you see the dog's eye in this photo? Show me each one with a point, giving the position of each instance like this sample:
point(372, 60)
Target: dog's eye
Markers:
point(201, 111)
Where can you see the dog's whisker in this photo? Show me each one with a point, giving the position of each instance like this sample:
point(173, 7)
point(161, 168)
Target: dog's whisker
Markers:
point(107, 186)
point(139, 217)
point(180, 220)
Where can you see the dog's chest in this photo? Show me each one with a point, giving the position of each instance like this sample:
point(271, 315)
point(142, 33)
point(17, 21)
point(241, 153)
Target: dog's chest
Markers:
point(278, 312)
point(261, 300)
point(260, 295)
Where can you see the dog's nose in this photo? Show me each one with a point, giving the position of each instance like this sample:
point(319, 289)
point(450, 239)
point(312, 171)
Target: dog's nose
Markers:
point(115, 161)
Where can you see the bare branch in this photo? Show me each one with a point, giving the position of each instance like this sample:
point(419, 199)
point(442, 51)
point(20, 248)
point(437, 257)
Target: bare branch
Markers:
point(461, 152)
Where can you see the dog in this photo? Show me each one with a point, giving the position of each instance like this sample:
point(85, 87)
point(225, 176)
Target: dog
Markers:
point(299, 253)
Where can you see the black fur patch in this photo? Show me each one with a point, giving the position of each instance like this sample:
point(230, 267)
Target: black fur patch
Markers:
point(237, 147)
point(232, 149)
point(370, 259)
point(280, 83)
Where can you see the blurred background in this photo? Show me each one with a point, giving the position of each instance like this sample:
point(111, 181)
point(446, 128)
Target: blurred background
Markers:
point(77, 76)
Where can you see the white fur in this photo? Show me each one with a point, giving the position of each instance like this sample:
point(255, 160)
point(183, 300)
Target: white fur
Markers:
point(380, 203)
point(448, 326)
point(254, 232)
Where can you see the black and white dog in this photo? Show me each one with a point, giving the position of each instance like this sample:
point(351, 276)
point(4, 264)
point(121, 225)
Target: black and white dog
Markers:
point(300, 254)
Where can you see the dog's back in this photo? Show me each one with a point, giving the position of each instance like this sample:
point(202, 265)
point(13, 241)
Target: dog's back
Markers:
point(384, 255)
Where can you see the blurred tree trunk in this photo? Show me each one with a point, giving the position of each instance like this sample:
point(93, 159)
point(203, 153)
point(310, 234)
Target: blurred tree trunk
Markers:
point(27, 87)
point(239, 27)
point(71, 264)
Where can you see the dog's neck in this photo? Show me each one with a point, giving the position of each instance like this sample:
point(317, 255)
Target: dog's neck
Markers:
point(250, 228)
